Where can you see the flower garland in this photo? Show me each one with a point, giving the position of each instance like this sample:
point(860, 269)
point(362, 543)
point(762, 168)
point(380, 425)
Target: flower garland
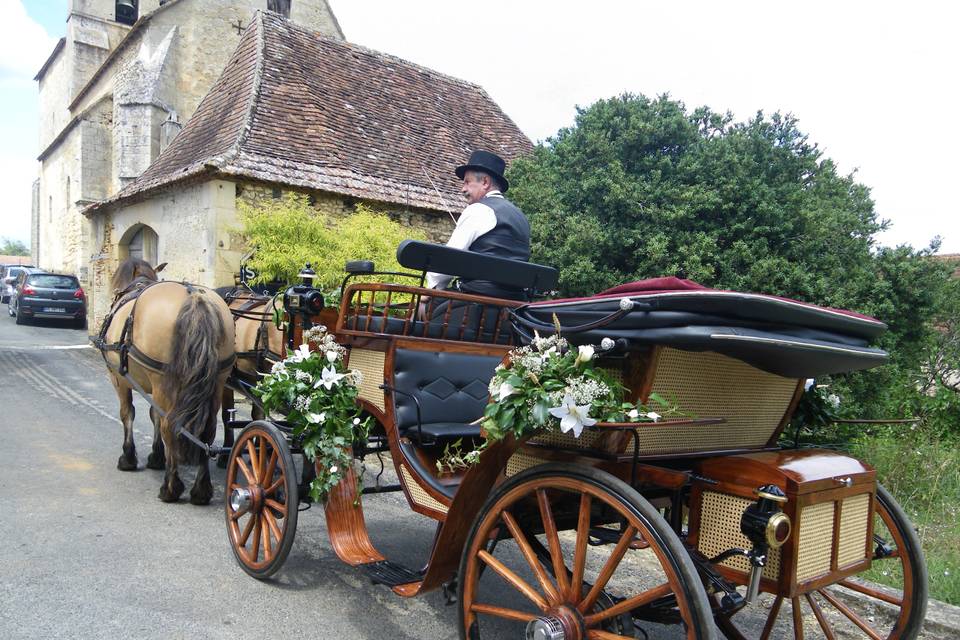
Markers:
point(318, 396)
point(548, 385)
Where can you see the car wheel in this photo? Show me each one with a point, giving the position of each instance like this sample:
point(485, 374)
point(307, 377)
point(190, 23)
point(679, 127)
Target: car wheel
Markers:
point(21, 319)
point(10, 310)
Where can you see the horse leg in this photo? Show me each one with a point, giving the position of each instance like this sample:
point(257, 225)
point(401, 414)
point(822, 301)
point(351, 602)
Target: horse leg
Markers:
point(156, 458)
point(128, 460)
point(172, 486)
point(225, 408)
point(202, 489)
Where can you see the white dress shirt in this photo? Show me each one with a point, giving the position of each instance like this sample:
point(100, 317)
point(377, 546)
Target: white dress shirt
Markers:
point(476, 220)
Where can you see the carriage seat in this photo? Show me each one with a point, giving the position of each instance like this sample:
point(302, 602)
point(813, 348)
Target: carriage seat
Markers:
point(450, 389)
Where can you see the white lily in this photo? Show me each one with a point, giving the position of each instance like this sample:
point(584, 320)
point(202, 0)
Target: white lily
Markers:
point(584, 353)
point(332, 356)
point(333, 469)
point(506, 389)
point(633, 414)
point(328, 378)
point(572, 416)
point(653, 415)
point(301, 354)
point(316, 418)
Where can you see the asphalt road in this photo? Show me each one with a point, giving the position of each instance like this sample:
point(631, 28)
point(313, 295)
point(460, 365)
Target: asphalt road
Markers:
point(87, 551)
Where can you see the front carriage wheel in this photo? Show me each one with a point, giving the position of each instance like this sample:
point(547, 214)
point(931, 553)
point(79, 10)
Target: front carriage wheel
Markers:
point(567, 549)
point(261, 499)
point(854, 608)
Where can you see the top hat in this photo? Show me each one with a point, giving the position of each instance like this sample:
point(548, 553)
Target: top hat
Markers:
point(487, 162)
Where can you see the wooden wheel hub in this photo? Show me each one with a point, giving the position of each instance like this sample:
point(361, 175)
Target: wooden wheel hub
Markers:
point(247, 499)
point(563, 623)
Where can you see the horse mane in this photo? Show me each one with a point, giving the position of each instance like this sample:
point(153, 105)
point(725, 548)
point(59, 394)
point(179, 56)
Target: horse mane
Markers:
point(131, 269)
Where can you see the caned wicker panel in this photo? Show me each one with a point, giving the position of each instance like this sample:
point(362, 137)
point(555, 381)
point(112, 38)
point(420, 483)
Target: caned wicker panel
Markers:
point(710, 385)
point(370, 364)
point(520, 462)
point(720, 530)
point(418, 495)
point(854, 519)
point(815, 540)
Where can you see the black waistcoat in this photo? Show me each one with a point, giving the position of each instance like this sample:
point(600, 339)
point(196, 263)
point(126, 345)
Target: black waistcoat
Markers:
point(509, 239)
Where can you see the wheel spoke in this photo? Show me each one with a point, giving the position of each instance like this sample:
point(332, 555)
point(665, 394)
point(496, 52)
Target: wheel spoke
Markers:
point(824, 625)
point(246, 531)
point(873, 593)
point(626, 605)
point(553, 540)
point(545, 583)
point(516, 581)
point(265, 536)
point(245, 471)
point(854, 618)
point(599, 634)
point(272, 523)
point(608, 568)
point(254, 460)
point(501, 612)
point(255, 545)
point(797, 619)
point(580, 549)
point(271, 466)
point(771, 618)
point(269, 491)
point(276, 506)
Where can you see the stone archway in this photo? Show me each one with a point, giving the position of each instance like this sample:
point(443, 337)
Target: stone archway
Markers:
point(140, 241)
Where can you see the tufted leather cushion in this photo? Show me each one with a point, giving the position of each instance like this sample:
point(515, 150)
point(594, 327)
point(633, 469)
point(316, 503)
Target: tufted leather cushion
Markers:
point(451, 387)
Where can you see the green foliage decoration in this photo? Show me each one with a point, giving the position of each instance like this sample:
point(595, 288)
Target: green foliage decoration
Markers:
point(318, 398)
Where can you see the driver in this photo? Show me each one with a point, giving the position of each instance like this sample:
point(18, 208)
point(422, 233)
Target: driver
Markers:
point(490, 224)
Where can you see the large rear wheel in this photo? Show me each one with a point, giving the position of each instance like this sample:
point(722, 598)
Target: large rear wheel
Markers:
point(567, 549)
point(857, 608)
point(261, 499)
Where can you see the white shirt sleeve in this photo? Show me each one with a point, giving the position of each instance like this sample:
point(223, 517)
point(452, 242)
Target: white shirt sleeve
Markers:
point(476, 220)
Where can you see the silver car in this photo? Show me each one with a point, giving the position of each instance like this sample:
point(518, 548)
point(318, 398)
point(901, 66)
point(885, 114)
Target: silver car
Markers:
point(8, 279)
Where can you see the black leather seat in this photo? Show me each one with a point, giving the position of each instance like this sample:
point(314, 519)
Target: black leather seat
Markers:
point(450, 389)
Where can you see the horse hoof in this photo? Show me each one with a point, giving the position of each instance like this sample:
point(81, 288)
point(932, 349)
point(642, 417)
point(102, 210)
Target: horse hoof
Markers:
point(200, 498)
point(156, 462)
point(126, 464)
point(171, 495)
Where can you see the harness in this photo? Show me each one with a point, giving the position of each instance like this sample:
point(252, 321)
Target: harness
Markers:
point(124, 345)
point(261, 344)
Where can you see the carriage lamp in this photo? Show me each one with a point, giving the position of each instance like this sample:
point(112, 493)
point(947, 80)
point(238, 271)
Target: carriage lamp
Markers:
point(767, 527)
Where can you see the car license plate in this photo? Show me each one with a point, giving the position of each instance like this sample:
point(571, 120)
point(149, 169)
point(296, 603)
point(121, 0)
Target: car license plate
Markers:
point(54, 310)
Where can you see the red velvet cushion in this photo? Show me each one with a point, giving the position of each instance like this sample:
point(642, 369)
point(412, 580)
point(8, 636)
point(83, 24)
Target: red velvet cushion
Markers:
point(667, 283)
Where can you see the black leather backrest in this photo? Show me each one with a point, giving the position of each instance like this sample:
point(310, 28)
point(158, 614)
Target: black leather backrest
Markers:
point(452, 387)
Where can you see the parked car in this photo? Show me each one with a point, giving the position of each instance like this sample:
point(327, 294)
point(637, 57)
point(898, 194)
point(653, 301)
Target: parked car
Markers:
point(40, 294)
point(8, 279)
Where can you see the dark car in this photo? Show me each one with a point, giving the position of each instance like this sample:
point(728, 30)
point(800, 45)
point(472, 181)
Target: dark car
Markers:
point(40, 294)
point(8, 279)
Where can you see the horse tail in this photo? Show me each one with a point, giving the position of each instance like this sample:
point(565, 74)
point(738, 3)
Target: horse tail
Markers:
point(190, 376)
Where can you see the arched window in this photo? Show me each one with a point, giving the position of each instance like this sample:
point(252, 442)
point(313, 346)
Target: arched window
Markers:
point(142, 244)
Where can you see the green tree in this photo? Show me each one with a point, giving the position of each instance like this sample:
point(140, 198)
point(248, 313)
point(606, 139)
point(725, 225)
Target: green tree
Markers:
point(10, 247)
point(641, 187)
point(288, 233)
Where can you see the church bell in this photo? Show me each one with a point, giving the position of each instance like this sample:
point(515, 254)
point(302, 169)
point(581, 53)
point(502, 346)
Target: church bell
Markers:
point(126, 11)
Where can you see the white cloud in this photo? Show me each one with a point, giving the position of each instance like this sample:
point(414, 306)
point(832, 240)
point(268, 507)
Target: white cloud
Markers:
point(24, 44)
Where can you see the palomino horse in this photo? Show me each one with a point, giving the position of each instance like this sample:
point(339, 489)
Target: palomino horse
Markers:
point(258, 345)
point(174, 342)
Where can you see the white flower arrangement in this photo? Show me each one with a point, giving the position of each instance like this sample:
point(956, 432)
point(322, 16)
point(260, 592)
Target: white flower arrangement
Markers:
point(318, 397)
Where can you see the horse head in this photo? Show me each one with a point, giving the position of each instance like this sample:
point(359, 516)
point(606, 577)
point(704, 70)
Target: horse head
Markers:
point(132, 269)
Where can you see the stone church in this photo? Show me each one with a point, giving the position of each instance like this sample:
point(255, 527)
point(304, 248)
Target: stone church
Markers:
point(158, 118)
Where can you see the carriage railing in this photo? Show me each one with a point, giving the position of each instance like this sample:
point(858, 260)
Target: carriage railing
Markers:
point(416, 312)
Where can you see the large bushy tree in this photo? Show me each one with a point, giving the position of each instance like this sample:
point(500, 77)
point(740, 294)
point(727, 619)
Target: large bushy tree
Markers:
point(642, 187)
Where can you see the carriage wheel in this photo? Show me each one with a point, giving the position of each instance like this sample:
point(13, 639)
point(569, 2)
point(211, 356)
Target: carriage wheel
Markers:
point(854, 608)
point(261, 499)
point(614, 570)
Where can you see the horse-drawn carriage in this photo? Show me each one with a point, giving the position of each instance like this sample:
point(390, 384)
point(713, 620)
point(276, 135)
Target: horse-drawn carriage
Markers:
point(668, 527)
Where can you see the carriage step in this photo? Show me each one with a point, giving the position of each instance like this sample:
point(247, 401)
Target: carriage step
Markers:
point(390, 573)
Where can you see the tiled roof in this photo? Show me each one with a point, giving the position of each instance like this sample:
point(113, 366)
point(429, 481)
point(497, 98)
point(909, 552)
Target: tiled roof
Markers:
point(297, 108)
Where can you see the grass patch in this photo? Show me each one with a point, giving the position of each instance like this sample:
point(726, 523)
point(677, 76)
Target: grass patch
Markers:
point(922, 472)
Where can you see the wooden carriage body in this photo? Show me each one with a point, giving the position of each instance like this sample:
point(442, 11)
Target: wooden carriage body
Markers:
point(426, 359)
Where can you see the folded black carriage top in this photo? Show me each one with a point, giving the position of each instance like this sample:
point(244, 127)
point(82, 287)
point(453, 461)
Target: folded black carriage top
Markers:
point(779, 335)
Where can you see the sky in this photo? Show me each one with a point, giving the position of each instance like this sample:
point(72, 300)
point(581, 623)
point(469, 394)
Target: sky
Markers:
point(872, 83)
